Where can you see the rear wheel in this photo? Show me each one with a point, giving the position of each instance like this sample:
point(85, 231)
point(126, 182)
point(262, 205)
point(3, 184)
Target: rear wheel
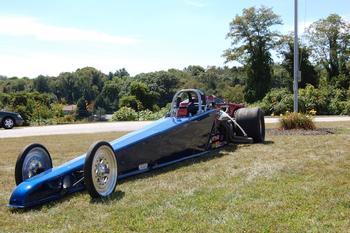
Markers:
point(8, 123)
point(33, 160)
point(252, 121)
point(100, 170)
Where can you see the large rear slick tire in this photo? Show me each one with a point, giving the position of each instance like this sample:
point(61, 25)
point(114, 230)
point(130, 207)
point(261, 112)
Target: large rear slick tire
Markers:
point(100, 170)
point(253, 123)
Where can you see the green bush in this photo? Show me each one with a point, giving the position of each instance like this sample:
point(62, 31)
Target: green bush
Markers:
point(68, 118)
point(125, 114)
point(297, 121)
point(41, 114)
point(147, 115)
point(277, 101)
point(346, 110)
point(322, 100)
point(57, 110)
point(130, 101)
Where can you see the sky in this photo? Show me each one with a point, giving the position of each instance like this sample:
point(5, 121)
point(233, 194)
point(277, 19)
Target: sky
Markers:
point(50, 37)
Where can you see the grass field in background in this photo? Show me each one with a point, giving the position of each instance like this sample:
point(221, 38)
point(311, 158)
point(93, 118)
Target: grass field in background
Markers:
point(288, 184)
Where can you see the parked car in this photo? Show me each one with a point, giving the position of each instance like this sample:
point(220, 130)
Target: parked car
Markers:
point(10, 119)
point(194, 127)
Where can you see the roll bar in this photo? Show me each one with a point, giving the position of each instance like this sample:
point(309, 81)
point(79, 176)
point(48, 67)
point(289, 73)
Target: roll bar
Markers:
point(202, 106)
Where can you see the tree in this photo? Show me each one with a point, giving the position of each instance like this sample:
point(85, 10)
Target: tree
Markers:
point(41, 84)
point(308, 72)
point(252, 39)
point(89, 82)
point(330, 41)
point(194, 70)
point(163, 84)
point(15, 84)
point(142, 93)
point(130, 101)
point(121, 73)
point(82, 111)
point(109, 97)
point(233, 94)
point(66, 87)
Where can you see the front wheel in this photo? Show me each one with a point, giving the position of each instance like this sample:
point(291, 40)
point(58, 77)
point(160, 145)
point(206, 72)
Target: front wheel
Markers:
point(33, 160)
point(253, 122)
point(100, 170)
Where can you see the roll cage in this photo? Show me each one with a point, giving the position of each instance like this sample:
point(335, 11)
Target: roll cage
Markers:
point(193, 100)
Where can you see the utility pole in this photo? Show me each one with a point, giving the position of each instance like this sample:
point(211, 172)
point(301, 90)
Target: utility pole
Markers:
point(296, 56)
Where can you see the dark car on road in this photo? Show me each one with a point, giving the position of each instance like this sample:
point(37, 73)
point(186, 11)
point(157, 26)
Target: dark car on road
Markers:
point(10, 119)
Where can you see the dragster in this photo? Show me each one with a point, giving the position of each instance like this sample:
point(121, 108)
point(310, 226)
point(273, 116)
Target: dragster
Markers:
point(195, 125)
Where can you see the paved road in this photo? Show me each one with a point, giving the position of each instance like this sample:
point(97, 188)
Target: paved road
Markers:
point(73, 129)
point(316, 119)
point(111, 127)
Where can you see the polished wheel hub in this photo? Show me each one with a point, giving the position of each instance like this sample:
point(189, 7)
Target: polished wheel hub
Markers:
point(36, 161)
point(104, 171)
point(34, 167)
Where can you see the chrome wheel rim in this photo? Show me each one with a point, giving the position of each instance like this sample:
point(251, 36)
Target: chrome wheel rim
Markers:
point(104, 171)
point(36, 161)
point(8, 123)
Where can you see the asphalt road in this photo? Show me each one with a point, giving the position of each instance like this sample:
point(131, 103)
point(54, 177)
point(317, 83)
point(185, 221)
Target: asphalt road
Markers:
point(112, 127)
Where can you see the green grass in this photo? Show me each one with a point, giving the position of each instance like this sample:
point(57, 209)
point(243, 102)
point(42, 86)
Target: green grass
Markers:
point(289, 184)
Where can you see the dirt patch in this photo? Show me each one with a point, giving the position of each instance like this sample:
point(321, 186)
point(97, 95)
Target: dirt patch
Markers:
point(319, 131)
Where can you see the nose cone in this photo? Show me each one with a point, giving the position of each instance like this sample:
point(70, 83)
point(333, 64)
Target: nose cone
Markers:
point(19, 195)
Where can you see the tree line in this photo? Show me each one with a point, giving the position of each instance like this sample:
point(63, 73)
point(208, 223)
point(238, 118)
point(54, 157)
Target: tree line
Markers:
point(261, 78)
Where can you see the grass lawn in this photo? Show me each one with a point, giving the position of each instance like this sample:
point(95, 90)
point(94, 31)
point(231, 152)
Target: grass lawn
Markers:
point(288, 184)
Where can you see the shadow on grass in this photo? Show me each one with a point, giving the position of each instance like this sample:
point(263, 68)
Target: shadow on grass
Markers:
point(268, 142)
point(210, 155)
point(48, 205)
point(116, 196)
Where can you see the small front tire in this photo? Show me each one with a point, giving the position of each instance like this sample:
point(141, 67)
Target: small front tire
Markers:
point(33, 160)
point(100, 170)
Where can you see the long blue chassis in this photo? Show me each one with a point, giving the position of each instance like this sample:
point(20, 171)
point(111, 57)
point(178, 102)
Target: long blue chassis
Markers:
point(20, 195)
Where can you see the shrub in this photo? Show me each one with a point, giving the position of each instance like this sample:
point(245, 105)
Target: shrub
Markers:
point(147, 115)
point(297, 121)
point(130, 101)
point(41, 114)
point(323, 100)
point(125, 114)
point(346, 110)
point(277, 101)
point(68, 119)
point(57, 110)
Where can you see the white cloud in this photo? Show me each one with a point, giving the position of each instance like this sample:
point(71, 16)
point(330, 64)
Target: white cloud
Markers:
point(28, 26)
point(35, 63)
point(196, 3)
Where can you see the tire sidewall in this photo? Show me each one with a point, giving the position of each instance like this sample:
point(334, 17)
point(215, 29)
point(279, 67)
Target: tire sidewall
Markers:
point(253, 122)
